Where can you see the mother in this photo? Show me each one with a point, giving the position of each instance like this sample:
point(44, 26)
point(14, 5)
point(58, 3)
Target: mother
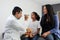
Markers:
point(50, 24)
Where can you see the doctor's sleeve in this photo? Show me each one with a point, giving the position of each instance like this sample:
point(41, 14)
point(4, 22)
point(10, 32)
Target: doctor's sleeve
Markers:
point(16, 26)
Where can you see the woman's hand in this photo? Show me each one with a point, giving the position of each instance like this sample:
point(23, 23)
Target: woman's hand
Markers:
point(45, 34)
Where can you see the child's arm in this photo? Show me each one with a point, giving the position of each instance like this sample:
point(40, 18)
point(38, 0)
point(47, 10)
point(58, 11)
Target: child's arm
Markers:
point(38, 30)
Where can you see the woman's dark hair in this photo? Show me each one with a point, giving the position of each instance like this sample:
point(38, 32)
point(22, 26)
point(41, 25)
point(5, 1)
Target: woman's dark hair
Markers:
point(16, 9)
point(50, 13)
point(49, 9)
point(37, 16)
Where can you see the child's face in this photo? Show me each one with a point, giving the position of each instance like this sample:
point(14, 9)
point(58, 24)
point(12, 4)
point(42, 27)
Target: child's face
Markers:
point(33, 16)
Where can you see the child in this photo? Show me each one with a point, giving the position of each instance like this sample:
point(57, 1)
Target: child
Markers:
point(34, 27)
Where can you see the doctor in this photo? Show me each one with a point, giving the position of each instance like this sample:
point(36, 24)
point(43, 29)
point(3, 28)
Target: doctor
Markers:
point(13, 28)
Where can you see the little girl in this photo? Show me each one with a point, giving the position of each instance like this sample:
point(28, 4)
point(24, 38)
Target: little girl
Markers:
point(35, 27)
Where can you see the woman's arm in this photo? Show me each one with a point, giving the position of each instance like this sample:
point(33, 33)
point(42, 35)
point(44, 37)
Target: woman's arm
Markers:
point(56, 28)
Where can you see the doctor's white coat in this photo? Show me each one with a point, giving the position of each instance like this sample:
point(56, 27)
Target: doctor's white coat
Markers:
point(13, 29)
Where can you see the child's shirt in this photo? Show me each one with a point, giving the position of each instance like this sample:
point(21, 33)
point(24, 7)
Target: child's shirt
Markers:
point(34, 26)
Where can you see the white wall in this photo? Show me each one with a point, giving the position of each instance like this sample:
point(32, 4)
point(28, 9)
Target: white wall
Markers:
point(47, 1)
point(50, 1)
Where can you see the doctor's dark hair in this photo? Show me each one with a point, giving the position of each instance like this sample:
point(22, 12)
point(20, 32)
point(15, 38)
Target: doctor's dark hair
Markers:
point(16, 9)
point(36, 15)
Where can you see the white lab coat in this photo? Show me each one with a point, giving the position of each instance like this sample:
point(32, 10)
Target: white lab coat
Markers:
point(13, 29)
